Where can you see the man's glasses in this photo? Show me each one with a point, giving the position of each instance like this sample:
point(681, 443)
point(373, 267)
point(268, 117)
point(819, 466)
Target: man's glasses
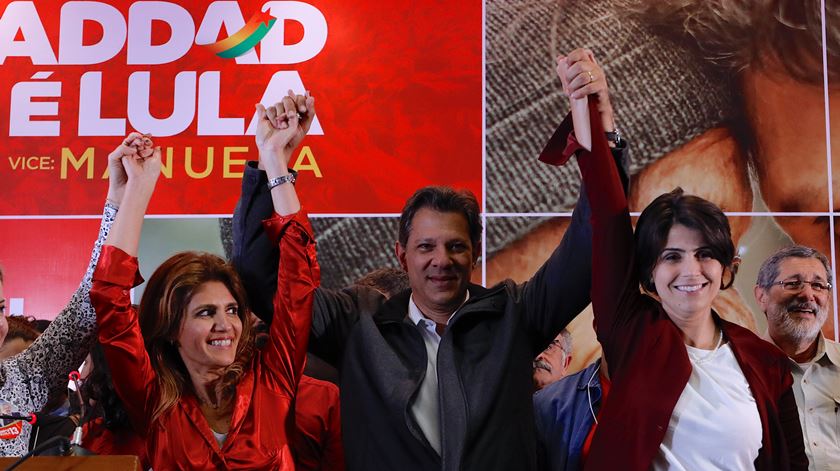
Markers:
point(796, 286)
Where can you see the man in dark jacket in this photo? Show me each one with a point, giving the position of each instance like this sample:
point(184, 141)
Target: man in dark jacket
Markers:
point(438, 376)
point(449, 388)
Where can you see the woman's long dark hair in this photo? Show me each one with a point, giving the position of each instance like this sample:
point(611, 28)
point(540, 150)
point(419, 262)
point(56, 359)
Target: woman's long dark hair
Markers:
point(99, 387)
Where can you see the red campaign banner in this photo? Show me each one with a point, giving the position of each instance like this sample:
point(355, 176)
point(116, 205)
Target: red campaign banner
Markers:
point(43, 262)
point(398, 98)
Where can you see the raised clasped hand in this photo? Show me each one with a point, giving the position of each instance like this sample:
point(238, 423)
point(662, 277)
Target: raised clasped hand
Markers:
point(583, 76)
point(281, 128)
point(134, 145)
point(141, 164)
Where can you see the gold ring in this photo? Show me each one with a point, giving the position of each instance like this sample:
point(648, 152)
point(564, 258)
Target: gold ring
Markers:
point(591, 77)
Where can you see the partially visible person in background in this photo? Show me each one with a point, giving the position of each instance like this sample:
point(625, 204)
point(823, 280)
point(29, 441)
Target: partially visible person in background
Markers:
point(317, 443)
point(21, 334)
point(29, 379)
point(57, 417)
point(54, 419)
point(553, 362)
point(41, 324)
point(106, 426)
point(794, 291)
point(566, 415)
point(388, 281)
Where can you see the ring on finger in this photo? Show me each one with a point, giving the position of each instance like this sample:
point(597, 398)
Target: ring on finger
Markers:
point(591, 76)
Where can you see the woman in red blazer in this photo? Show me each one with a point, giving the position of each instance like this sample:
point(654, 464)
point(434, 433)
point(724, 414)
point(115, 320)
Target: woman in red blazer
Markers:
point(186, 369)
point(689, 389)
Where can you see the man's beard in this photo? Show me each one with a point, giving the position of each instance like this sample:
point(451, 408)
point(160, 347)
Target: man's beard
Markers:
point(798, 329)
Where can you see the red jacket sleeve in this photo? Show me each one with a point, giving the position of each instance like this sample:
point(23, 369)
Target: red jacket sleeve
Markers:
point(297, 278)
point(119, 333)
point(613, 271)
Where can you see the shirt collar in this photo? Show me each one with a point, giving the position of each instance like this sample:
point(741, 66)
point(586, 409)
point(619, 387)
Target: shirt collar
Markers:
point(829, 349)
point(417, 316)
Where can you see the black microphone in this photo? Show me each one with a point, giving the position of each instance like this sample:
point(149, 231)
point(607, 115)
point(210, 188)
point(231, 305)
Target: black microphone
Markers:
point(31, 418)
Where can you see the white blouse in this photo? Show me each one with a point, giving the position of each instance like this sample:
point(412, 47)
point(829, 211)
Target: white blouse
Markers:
point(715, 424)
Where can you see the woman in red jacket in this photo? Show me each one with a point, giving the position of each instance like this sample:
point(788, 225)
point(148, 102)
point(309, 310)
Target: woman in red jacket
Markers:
point(185, 367)
point(689, 389)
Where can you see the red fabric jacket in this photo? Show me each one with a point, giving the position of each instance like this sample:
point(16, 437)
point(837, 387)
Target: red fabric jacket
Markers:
point(103, 441)
point(317, 440)
point(649, 365)
point(181, 438)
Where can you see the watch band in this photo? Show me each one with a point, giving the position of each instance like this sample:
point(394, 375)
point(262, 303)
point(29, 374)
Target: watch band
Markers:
point(614, 136)
point(277, 181)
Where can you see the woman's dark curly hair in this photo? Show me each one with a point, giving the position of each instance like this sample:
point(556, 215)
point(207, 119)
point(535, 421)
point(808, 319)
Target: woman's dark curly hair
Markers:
point(99, 387)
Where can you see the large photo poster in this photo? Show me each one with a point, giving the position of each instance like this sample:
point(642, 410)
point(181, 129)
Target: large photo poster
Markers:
point(736, 104)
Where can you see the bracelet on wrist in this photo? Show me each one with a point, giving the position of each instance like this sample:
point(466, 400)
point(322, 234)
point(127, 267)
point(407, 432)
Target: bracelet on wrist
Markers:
point(277, 181)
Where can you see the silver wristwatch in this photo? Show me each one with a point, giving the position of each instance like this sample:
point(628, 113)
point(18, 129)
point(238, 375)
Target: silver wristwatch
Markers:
point(289, 178)
point(614, 137)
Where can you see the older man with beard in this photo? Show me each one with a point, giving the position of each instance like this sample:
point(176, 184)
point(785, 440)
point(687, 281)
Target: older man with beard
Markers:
point(552, 363)
point(793, 290)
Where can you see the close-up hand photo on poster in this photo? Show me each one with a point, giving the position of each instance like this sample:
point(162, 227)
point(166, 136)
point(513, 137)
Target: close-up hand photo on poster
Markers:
point(495, 235)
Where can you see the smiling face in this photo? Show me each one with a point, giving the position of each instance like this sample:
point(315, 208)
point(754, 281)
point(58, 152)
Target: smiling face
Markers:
point(796, 316)
point(438, 258)
point(686, 276)
point(210, 330)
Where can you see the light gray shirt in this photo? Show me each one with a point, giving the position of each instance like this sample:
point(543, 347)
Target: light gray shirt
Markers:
point(816, 386)
point(426, 406)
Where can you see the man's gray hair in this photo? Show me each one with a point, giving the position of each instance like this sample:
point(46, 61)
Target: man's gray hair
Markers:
point(566, 342)
point(770, 268)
